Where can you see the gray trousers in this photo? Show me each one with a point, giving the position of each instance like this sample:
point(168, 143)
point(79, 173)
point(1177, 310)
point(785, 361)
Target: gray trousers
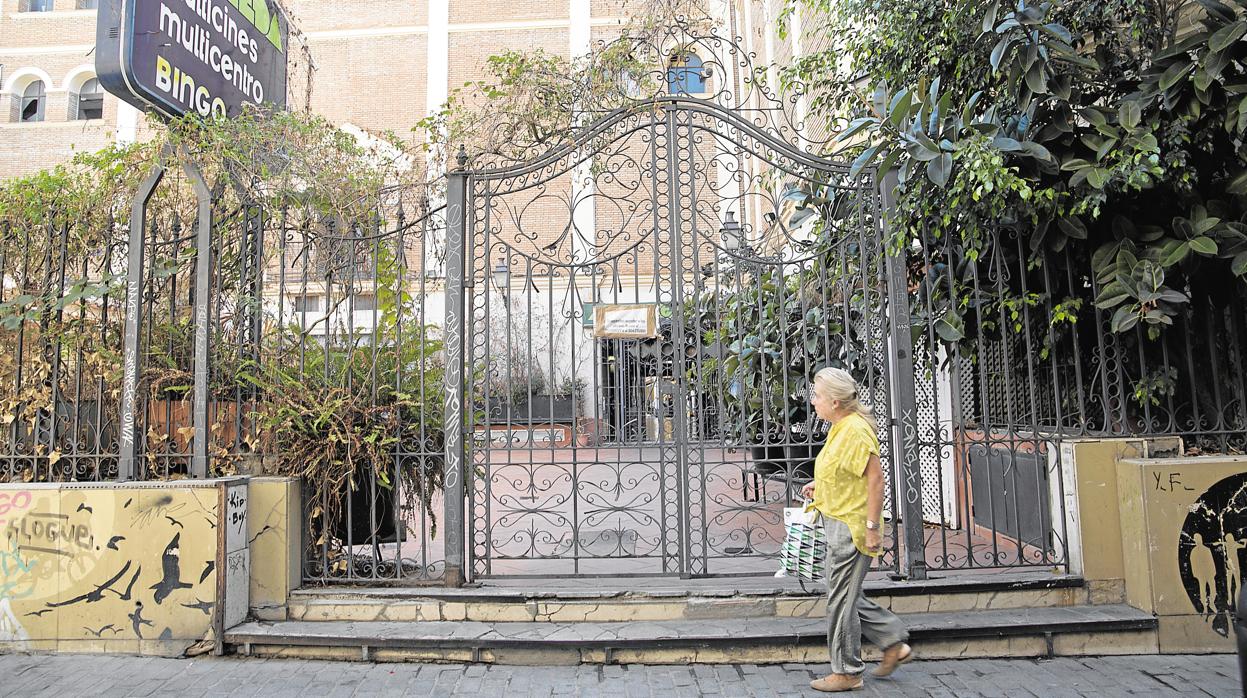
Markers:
point(850, 615)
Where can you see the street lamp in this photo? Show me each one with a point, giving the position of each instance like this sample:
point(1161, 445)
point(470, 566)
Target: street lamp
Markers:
point(502, 276)
point(730, 233)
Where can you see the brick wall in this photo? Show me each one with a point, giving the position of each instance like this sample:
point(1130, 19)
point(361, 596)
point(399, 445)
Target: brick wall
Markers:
point(377, 83)
point(337, 15)
point(480, 11)
point(65, 25)
point(29, 148)
point(370, 57)
point(470, 50)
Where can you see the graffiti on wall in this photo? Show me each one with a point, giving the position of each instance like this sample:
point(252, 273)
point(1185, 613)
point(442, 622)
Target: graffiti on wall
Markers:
point(1212, 551)
point(106, 565)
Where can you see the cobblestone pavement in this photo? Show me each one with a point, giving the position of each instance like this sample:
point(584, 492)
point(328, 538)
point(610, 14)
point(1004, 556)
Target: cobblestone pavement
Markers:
point(67, 675)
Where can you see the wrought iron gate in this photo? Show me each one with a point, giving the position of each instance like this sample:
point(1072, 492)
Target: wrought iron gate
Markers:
point(632, 328)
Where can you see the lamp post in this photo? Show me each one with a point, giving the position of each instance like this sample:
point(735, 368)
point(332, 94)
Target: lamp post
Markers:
point(731, 233)
point(502, 277)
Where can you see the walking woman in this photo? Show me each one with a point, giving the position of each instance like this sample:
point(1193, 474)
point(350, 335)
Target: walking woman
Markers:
point(848, 491)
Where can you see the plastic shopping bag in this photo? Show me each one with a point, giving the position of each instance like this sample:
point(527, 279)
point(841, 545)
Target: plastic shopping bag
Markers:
point(804, 553)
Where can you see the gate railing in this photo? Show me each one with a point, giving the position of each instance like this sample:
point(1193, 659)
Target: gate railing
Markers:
point(978, 468)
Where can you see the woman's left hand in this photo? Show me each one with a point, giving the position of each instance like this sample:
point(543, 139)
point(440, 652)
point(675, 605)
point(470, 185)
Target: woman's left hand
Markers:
point(874, 541)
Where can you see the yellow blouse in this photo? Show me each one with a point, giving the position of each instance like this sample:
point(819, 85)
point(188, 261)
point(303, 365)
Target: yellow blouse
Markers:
point(840, 475)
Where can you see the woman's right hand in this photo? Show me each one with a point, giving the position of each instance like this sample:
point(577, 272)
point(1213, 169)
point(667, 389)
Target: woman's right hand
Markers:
point(807, 492)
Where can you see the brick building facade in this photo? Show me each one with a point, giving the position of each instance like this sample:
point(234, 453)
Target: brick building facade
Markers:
point(380, 65)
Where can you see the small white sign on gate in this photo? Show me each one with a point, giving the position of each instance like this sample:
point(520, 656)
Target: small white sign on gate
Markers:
point(625, 321)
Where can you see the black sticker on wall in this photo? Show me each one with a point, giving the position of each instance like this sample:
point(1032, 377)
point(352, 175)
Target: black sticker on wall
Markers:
point(1212, 551)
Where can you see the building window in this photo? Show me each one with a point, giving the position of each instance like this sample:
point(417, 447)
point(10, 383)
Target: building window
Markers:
point(307, 304)
point(88, 102)
point(88, 4)
point(685, 74)
point(364, 303)
point(32, 103)
point(35, 6)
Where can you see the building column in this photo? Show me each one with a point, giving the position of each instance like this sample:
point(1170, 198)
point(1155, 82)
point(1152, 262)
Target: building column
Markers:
point(127, 123)
point(584, 219)
point(796, 29)
point(437, 76)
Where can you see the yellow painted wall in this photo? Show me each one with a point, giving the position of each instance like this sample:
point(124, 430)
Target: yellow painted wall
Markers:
point(135, 568)
point(1184, 540)
point(274, 532)
point(112, 568)
point(1094, 464)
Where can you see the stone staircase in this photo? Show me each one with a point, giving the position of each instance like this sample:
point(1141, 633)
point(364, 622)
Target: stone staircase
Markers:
point(663, 620)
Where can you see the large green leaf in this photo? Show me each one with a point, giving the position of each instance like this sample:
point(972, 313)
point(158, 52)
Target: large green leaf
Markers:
point(1227, 35)
point(1239, 265)
point(1204, 245)
point(1174, 252)
point(950, 328)
point(899, 108)
point(939, 169)
point(1035, 79)
point(998, 52)
point(1073, 227)
point(1129, 113)
point(989, 17)
point(1112, 296)
point(1124, 319)
point(1175, 73)
point(1238, 185)
point(865, 159)
point(1183, 46)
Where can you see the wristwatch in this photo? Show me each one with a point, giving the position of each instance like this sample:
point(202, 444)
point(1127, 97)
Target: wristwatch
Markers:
point(872, 526)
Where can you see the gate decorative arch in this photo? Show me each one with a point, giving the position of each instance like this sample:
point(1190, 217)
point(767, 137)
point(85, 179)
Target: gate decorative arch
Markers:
point(633, 319)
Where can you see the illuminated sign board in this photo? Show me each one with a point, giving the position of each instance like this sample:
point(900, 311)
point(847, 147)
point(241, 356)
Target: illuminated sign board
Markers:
point(206, 57)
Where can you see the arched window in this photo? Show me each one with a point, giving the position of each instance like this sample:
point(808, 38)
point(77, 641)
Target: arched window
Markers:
point(685, 74)
point(88, 102)
point(31, 104)
point(35, 6)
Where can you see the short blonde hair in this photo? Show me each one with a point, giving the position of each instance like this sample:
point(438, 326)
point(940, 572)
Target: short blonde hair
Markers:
point(838, 384)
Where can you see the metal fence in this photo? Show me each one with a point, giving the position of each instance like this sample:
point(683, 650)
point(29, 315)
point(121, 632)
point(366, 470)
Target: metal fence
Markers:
point(319, 334)
point(355, 313)
point(441, 377)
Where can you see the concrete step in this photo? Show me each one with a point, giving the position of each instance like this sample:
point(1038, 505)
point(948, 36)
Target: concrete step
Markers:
point(1018, 632)
point(664, 600)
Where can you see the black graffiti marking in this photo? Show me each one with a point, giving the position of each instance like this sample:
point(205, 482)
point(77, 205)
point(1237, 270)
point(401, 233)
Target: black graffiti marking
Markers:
point(166, 634)
point(207, 571)
point(37, 549)
point(171, 564)
point(238, 512)
point(163, 501)
point(99, 633)
point(163, 506)
point(1173, 484)
point(1212, 548)
point(175, 521)
point(205, 606)
point(84, 507)
point(112, 543)
point(50, 529)
point(39, 614)
point(137, 621)
point(98, 592)
point(127, 504)
point(130, 586)
point(261, 532)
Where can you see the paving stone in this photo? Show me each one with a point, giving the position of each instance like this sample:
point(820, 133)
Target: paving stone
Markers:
point(57, 676)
